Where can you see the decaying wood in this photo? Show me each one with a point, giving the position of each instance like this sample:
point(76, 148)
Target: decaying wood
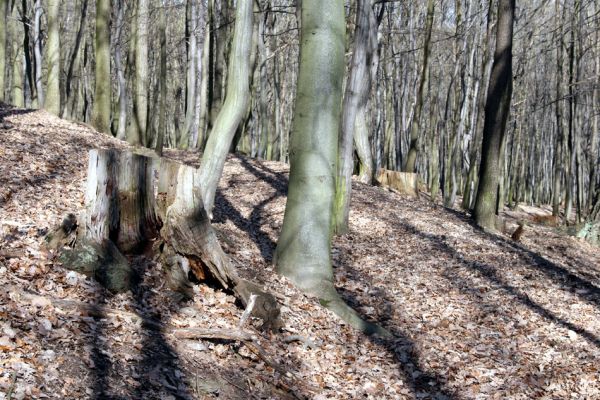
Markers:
point(134, 202)
point(404, 182)
point(204, 333)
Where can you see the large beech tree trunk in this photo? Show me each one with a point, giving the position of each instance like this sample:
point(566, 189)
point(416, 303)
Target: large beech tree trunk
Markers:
point(136, 203)
point(303, 252)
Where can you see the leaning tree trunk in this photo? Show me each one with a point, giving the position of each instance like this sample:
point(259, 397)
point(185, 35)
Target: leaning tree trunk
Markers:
point(136, 204)
point(357, 93)
point(234, 107)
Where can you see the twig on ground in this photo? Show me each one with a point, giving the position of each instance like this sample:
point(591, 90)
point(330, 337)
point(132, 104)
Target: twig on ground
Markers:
point(248, 310)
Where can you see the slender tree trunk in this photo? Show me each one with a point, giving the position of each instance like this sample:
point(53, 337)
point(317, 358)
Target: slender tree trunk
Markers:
point(74, 61)
point(16, 34)
point(559, 146)
point(471, 183)
point(594, 160)
point(162, 109)
point(121, 82)
point(357, 93)
point(52, 100)
point(141, 71)
point(191, 26)
point(235, 105)
point(37, 51)
point(497, 108)
point(101, 108)
point(3, 23)
point(415, 127)
point(204, 65)
point(29, 81)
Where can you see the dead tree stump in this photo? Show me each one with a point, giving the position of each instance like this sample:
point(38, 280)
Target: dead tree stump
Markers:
point(135, 203)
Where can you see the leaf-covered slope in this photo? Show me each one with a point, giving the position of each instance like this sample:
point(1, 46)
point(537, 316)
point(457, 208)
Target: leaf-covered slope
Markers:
point(474, 315)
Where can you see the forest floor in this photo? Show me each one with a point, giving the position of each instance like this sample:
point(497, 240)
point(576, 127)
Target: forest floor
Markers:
point(474, 315)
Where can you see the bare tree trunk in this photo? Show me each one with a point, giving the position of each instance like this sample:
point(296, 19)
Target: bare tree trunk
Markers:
point(496, 114)
point(411, 158)
point(141, 71)
point(191, 36)
point(101, 108)
point(234, 108)
point(121, 82)
point(3, 22)
point(162, 109)
point(52, 101)
point(354, 113)
point(16, 34)
point(74, 64)
point(37, 51)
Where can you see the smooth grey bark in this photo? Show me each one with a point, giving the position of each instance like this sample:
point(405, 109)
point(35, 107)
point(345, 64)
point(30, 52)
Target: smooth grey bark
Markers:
point(303, 252)
point(141, 71)
point(3, 21)
point(411, 158)
point(235, 105)
point(162, 108)
point(354, 113)
point(74, 63)
point(37, 51)
point(497, 108)
point(101, 108)
point(52, 100)
point(18, 58)
point(558, 167)
point(192, 59)
point(121, 81)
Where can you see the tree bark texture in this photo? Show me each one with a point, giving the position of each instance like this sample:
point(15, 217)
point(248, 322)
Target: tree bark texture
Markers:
point(134, 202)
point(354, 114)
point(235, 105)
point(303, 252)
point(52, 99)
point(496, 114)
point(101, 107)
point(415, 127)
point(3, 20)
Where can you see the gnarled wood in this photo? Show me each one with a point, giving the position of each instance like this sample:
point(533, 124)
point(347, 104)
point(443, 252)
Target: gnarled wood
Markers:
point(133, 201)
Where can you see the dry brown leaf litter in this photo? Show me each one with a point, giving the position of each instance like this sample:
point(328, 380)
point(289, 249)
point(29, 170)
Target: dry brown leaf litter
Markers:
point(474, 316)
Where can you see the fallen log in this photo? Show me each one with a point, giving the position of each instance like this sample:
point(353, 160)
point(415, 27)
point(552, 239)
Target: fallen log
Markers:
point(404, 182)
point(136, 204)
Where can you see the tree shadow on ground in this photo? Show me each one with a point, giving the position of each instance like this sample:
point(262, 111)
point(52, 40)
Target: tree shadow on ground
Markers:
point(9, 111)
point(422, 383)
point(158, 371)
point(491, 274)
point(225, 210)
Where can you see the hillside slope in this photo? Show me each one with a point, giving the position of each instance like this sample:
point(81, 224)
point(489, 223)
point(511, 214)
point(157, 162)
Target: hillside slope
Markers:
point(475, 316)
